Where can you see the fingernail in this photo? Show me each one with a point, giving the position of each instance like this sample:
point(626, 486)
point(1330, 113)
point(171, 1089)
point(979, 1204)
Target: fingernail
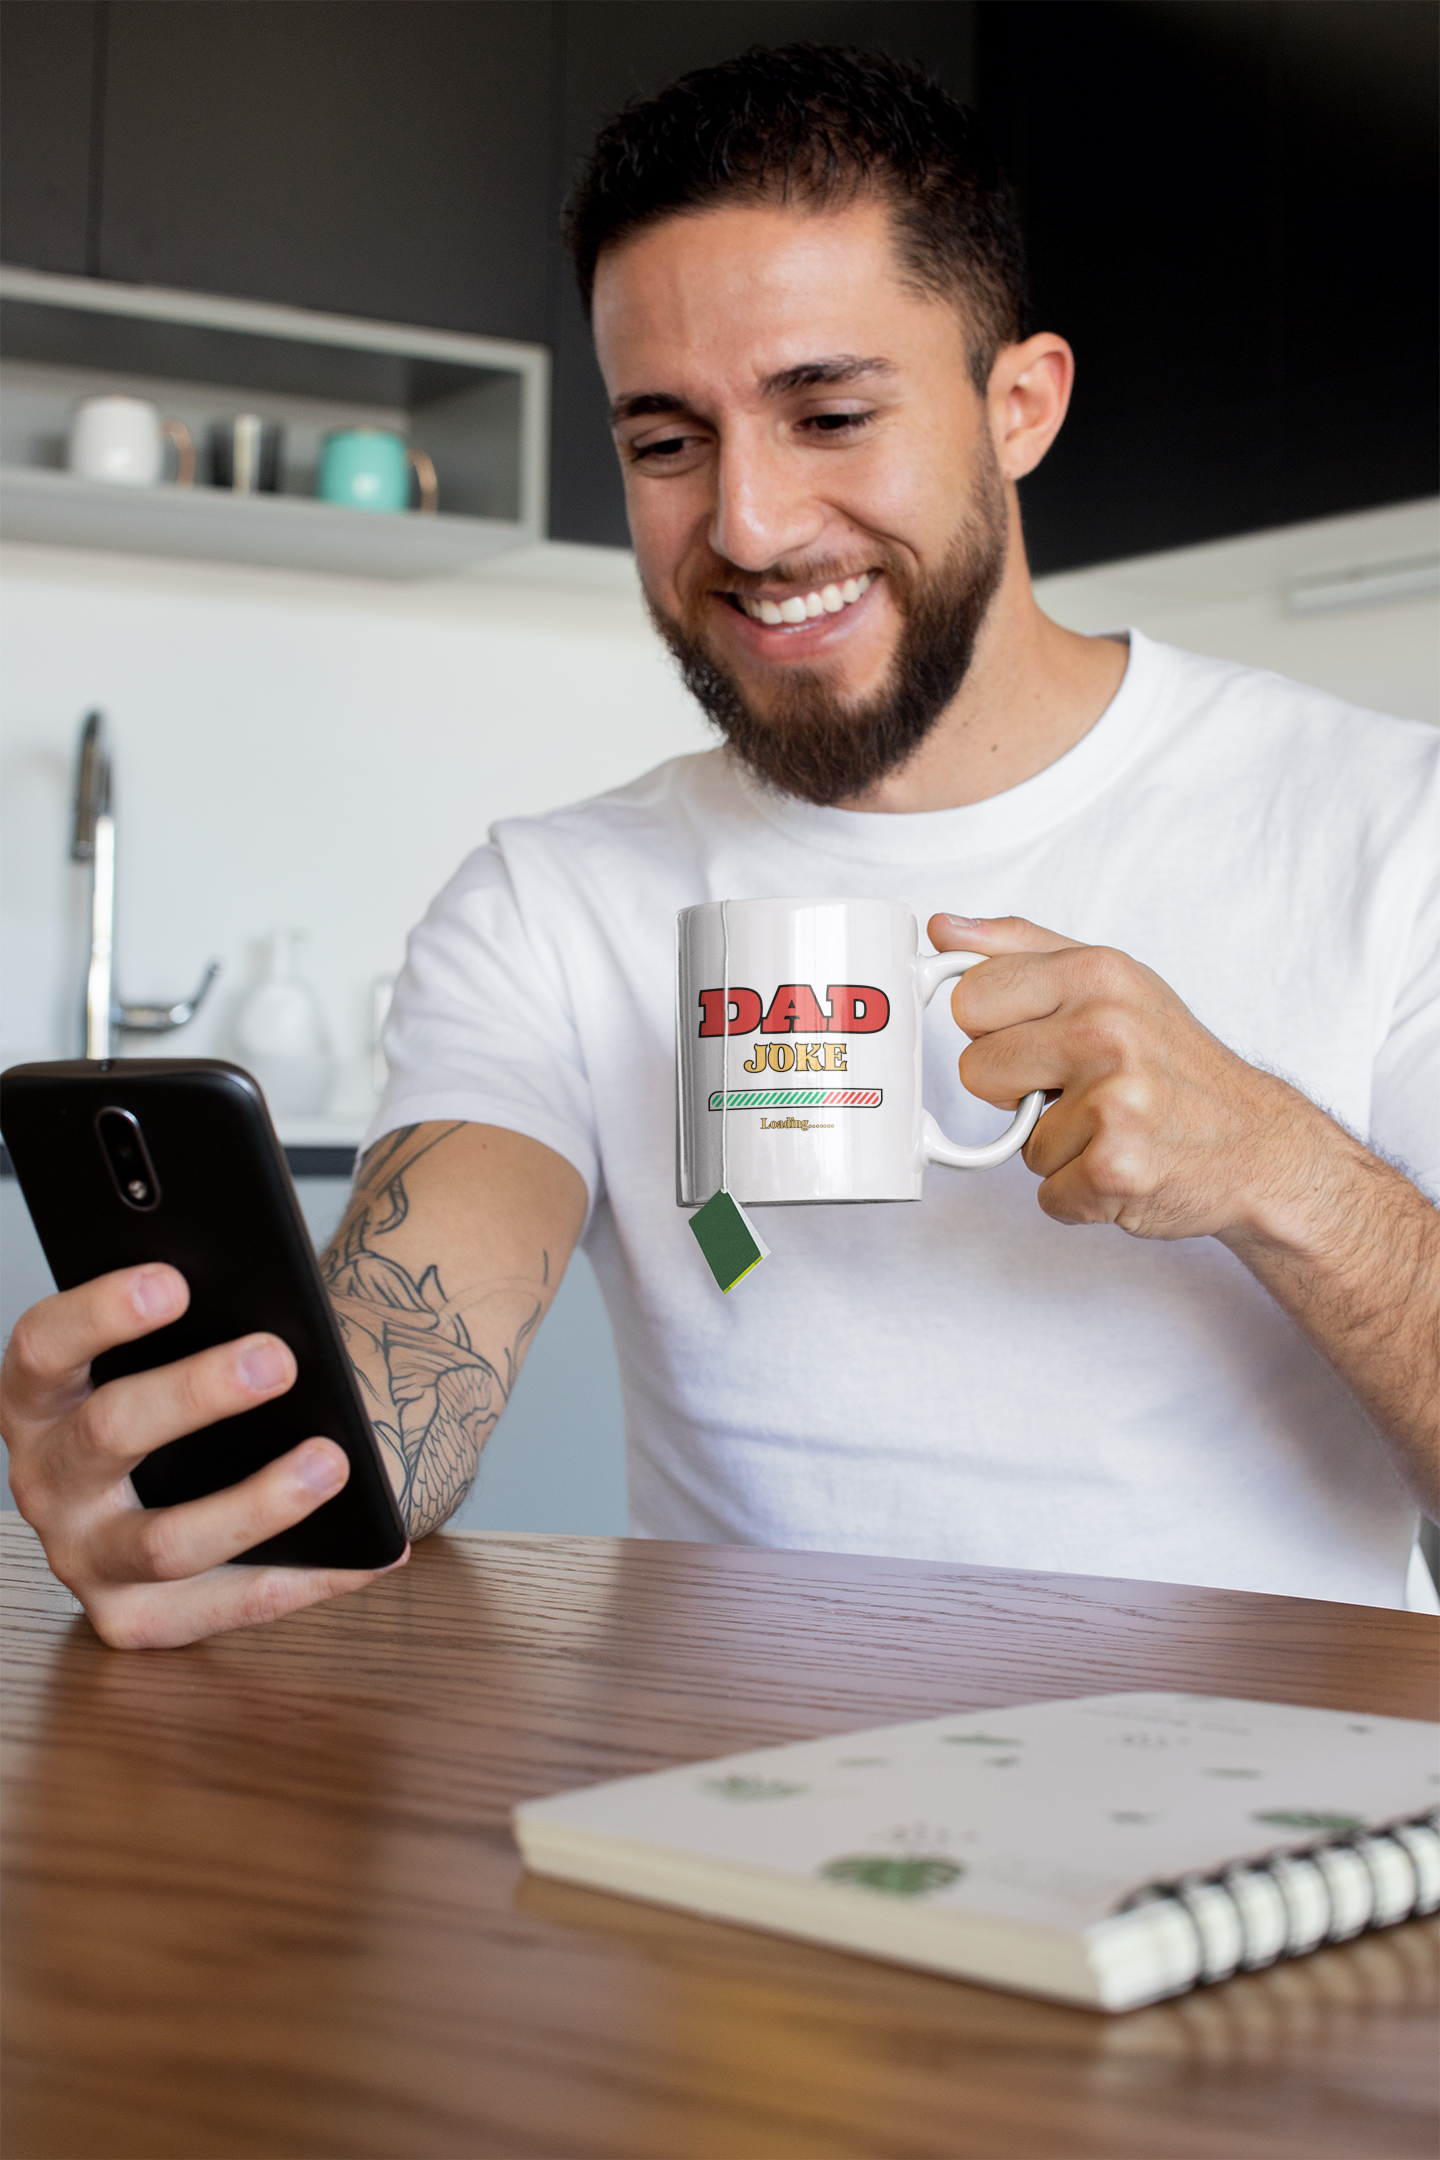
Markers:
point(321, 1469)
point(967, 922)
point(264, 1366)
point(155, 1293)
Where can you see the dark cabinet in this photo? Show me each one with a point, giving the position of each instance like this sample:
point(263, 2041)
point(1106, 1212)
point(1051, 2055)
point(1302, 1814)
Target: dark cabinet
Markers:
point(388, 159)
point(1232, 216)
point(377, 159)
point(48, 88)
point(1231, 205)
point(1355, 143)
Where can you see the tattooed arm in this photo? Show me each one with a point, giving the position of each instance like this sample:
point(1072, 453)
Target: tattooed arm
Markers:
point(452, 1247)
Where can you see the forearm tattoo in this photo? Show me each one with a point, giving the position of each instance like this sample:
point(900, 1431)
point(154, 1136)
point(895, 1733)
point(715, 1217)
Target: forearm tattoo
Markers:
point(434, 1398)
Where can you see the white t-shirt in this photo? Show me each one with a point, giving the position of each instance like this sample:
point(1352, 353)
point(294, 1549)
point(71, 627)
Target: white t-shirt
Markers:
point(964, 1379)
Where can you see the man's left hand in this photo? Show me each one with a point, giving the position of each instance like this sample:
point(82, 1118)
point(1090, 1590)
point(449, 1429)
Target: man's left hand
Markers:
point(1158, 1126)
point(1161, 1129)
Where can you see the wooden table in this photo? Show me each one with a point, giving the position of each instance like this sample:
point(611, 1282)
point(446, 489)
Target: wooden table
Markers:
point(263, 1899)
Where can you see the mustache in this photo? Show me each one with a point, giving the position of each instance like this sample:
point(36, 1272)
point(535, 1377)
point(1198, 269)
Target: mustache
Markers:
point(804, 576)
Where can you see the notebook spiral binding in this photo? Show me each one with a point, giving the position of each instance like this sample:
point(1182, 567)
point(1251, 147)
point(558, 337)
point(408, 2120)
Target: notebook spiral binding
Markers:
point(1285, 1903)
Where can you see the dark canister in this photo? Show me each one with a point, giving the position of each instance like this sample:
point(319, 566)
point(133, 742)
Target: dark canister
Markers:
point(245, 455)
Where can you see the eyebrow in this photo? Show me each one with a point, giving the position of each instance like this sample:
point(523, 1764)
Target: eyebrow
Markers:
point(838, 368)
point(842, 368)
point(647, 401)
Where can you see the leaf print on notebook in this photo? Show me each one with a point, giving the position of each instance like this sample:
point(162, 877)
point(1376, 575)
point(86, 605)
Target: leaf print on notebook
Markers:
point(1307, 1819)
point(907, 1875)
point(751, 1788)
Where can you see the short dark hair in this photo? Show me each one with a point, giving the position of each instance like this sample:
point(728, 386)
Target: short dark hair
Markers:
point(818, 125)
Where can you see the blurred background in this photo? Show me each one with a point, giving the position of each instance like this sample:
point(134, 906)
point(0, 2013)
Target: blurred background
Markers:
point(310, 217)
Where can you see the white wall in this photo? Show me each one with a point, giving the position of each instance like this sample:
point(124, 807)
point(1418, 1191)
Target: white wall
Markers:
point(321, 752)
point(1229, 599)
point(292, 751)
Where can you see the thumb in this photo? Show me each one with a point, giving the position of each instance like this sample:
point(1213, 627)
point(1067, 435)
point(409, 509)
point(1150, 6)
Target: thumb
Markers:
point(995, 934)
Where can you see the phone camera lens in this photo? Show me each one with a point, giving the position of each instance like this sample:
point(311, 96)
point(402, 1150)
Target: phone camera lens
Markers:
point(123, 1145)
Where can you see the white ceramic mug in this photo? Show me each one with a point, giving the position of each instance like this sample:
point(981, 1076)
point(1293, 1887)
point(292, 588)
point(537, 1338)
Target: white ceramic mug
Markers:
point(122, 440)
point(799, 1054)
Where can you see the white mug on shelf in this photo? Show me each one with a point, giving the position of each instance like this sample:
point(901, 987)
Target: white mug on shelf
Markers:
point(122, 440)
point(799, 1054)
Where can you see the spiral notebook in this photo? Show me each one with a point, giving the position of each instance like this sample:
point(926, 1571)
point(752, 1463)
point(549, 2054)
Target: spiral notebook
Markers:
point(1109, 1850)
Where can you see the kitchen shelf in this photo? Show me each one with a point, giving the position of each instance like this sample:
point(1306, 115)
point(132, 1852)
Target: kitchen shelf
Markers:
point(285, 531)
point(479, 407)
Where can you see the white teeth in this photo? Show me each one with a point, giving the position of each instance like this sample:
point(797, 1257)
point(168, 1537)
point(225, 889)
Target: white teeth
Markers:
point(805, 607)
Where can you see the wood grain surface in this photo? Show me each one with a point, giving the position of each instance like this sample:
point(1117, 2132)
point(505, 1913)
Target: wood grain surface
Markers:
point(262, 1897)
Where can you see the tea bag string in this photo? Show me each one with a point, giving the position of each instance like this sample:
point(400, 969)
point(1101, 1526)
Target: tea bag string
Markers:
point(725, 1055)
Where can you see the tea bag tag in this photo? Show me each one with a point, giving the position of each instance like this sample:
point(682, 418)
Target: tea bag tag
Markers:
point(729, 1240)
point(724, 1232)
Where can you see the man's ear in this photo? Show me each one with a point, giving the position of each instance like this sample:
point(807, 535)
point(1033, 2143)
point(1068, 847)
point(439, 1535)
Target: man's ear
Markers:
point(1029, 394)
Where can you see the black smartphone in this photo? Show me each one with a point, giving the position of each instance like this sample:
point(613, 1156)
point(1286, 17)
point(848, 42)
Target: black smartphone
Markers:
point(126, 1160)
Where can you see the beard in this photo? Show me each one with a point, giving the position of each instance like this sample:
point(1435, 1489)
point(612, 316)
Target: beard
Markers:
point(810, 743)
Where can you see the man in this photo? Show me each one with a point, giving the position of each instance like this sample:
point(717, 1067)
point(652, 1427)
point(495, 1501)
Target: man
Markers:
point(808, 301)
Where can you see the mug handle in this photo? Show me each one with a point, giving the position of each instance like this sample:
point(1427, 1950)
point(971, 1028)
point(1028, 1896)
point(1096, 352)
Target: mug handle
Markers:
point(930, 972)
point(180, 435)
point(424, 472)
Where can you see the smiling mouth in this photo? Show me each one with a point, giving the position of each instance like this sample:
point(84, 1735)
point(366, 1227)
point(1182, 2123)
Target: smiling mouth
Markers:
point(803, 607)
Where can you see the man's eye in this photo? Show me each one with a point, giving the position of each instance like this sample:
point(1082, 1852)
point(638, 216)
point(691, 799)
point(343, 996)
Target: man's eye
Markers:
point(655, 452)
point(838, 423)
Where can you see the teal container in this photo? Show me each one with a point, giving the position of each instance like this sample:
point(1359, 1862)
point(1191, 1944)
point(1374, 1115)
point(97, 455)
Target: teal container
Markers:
point(365, 469)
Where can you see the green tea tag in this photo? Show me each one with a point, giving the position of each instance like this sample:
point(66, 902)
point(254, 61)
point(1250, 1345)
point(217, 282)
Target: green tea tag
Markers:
point(729, 1240)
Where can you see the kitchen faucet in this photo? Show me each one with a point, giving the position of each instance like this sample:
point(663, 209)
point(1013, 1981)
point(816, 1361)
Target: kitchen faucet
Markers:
point(94, 842)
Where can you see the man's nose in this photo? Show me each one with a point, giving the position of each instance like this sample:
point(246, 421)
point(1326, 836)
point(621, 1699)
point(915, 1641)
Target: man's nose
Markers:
point(764, 507)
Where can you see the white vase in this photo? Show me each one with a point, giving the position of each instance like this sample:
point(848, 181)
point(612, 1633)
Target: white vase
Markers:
point(281, 1036)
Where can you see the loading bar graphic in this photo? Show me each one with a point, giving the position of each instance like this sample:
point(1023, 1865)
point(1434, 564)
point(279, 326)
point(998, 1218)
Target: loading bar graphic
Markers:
point(797, 1099)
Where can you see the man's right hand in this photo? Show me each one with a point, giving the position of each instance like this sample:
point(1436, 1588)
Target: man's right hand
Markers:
point(152, 1578)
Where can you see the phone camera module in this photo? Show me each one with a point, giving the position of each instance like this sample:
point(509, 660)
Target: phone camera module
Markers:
point(127, 1158)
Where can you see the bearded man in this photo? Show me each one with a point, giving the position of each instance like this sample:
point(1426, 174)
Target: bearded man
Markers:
point(807, 290)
